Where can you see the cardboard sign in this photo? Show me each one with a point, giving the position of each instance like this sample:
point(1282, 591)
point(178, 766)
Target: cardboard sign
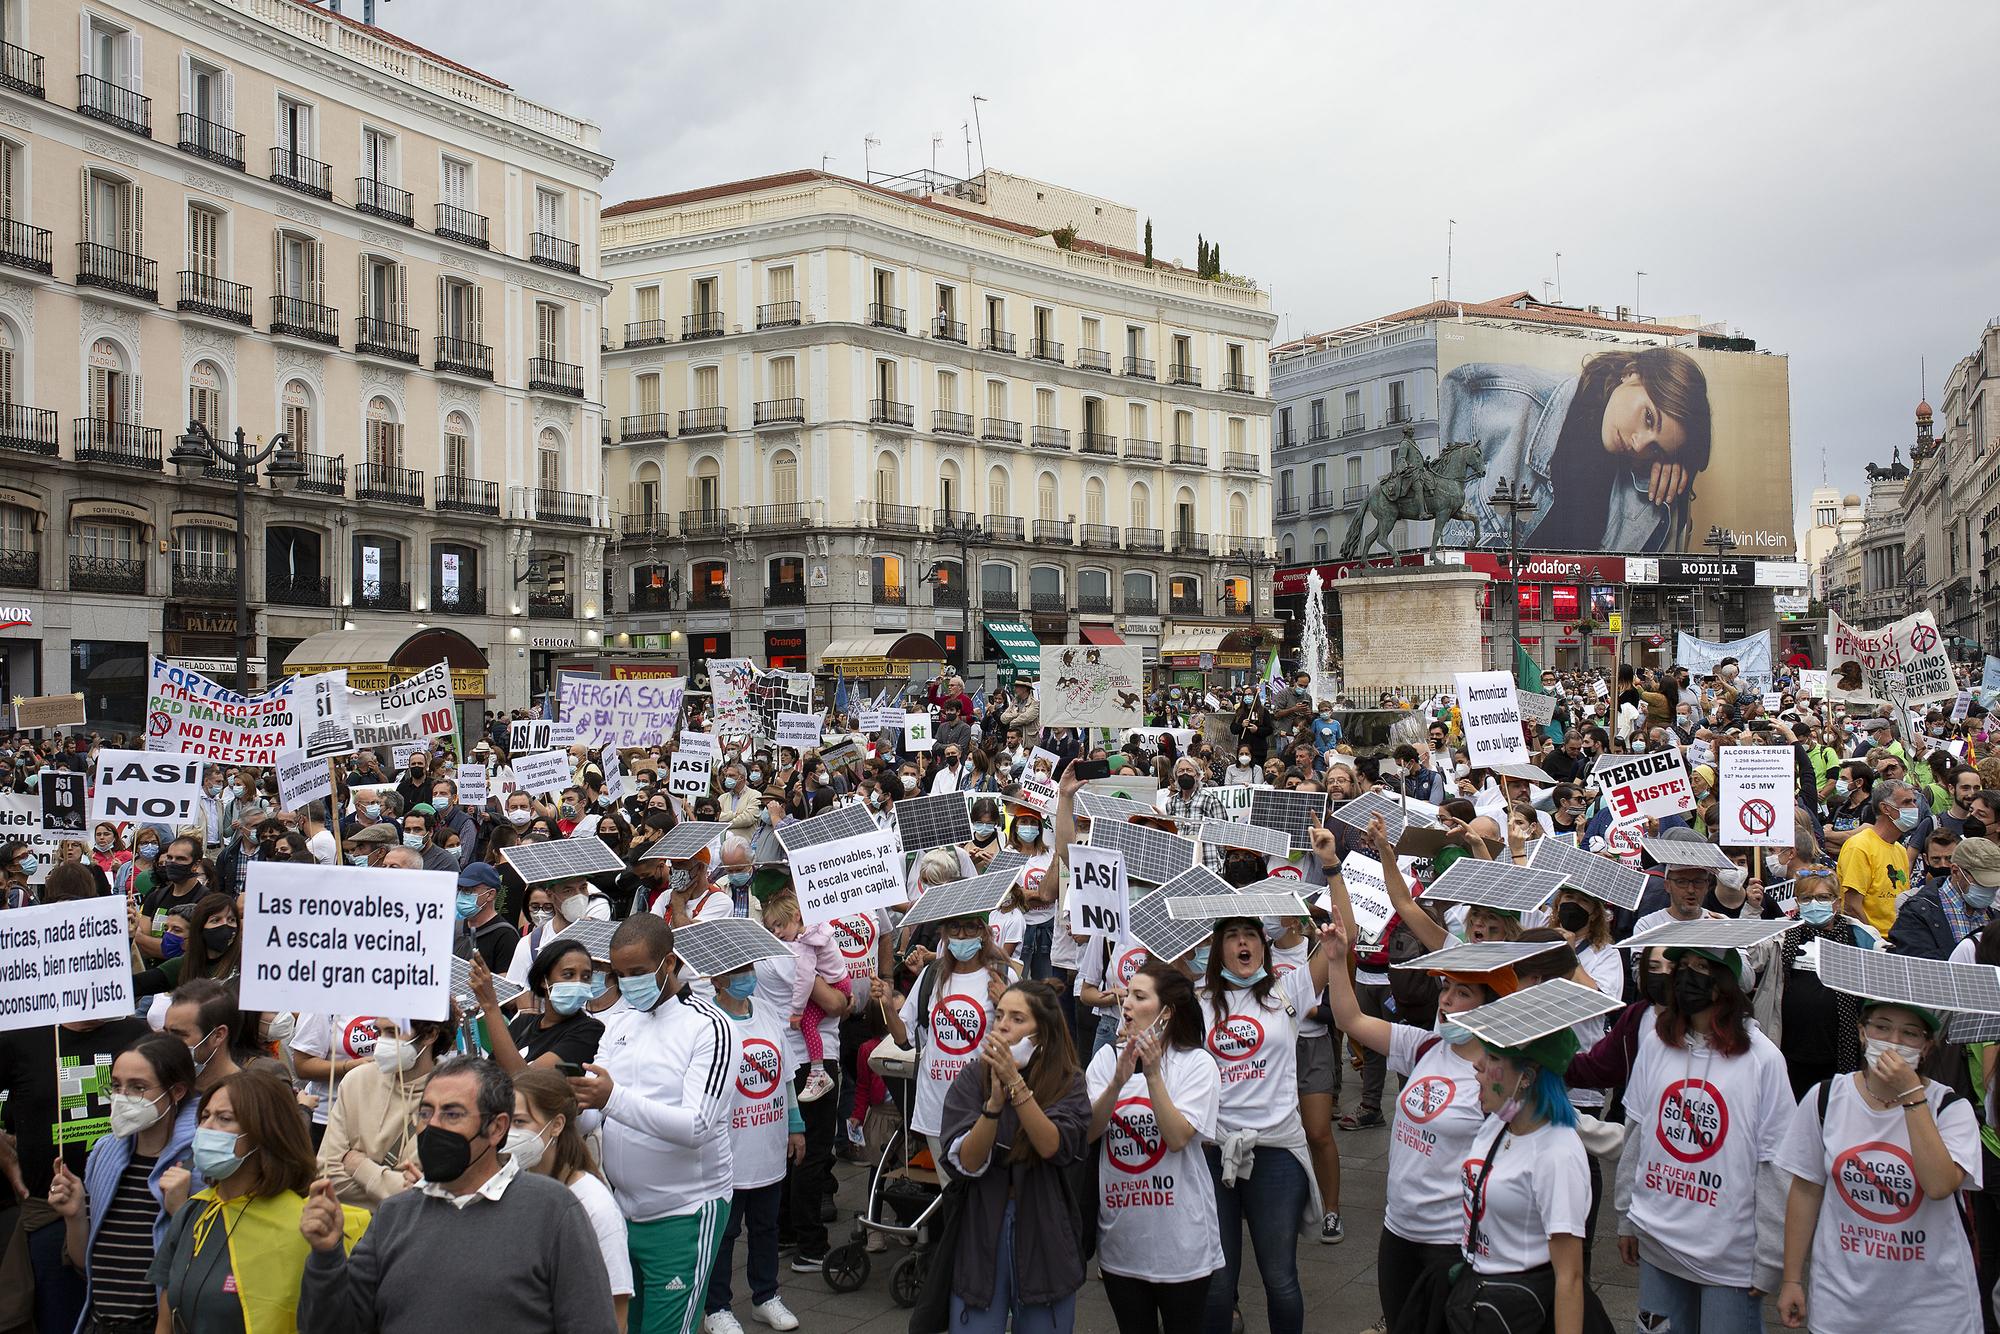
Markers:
point(696, 743)
point(1812, 682)
point(326, 718)
point(1652, 783)
point(147, 787)
point(622, 713)
point(347, 940)
point(1039, 793)
point(414, 709)
point(542, 772)
point(917, 733)
point(66, 963)
point(1856, 659)
point(1757, 787)
point(401, 753)
point(848, 875)
point(21, 821)
point(1773, 700)
point(472, 785)
point(688, 774)
point(798, 731)
point(1368, 891)
point(302, 779)
point(1537, 708)
point(188, 713)
point(1093, 685)
point(891, 720)
point(1491, 710)
point(37, 711)
point(868, 720)
point(64, 803)
point(1098, 891)
point(1961, 706)
point(613, 770)
point(529, 734)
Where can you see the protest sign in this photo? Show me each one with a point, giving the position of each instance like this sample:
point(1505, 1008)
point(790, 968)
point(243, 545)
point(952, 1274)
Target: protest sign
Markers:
point(401, 753)
point(302, 779)
point(1038, 793)
point(63, 803)
point(146, 786)
point(1536, 708)
point(868, 719)
point(562, 735)
point(21, 822)
point(614, 772)
point(729, 685)
point(472, 785)
point(1757, 788)
point(347, 940)
point(326, 715)
point(1092, 685)
point(1812, 682)
point(1368, 891)
point(917, 733)
point(413, 709)
point(1599, 689)
point(848, 875)
point(1961, 706)
point(1234, 798)
point(528, 734)
point(1856, 660)
point(1752, 654)
point(1773, 700)
point(37, 711)
point(1989, 681)
point(798, 731)
point(1491, 710)
point(1098, 891)
point(696, 743)
point(542, 771)
point(622, 713)
point(188, 713)
point(892, 720)
point(687, 774)
point(65, 963)
point(1651, 783)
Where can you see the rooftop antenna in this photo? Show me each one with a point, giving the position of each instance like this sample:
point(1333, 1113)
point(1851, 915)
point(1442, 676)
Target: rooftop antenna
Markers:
point(1635, 294)
point(824, 158)
point(1822, 465)
point(867, 169)
point(965, 127)
point(979, 130)
point(1923, 381)
point(1434, 287)
point(1559, 277)
point(1545, 291)
point(1451, 227)
point(936, 139)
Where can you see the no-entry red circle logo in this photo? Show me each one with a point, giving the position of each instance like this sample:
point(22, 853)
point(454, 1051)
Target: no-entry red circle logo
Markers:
point(1757, 816)
point(1236, 1038)
point(1878, 1180)
point(1128, 966)
point(1132, 1141)
point(1425, 1099)
point(1475, 1168)
point(158, 724)
point(1287, 872)
point(757, 1074)
point(957, 1025)
point(1031, 879)
point(358, 1038)
point(1923, 638)
point(1693, 1120)
point(854, 935)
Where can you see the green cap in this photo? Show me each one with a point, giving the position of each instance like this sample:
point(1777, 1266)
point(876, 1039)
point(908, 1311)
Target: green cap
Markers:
point(1552, 1051)
point(1933, 1020)
point(1730, 959)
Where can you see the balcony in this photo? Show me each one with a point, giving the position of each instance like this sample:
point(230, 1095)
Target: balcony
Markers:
point(1237, 382)
point(325, 475)
point(644, 426)
point(296, 171)
point(899, 518)
point(1352, 495)
point(1142, 604)
point(1099, 442)
point(702, 324)
point(457, 494)
point(1045, 349)
point(1230, 606)
point(1051, 437)
point(881, 316)
point(705, 523)
point(951, 423)
point(298, 590)
point(552, 252)
point(113, 105)
point(996, 340)
point(947, 330)
point(1190, 544)
point(1320, 502)
point(704, 421)
point(999, 599)
point(1284, 439)
point(1318, 433)
point(780, 412)
point(379, 199)
point(21, 70)
point(572, 509)
point(204, 579)
point(1139, 368)
point(645, 333)
point(1145, 539)
point(1142, 451)
point(1287, 507)
point(211, 141)
point(1004, 527)
point(120, 444)
point(205, 294)
point(1398, 413)
point(26, 430)
point(947, 595)
point(380, 338)
point(116, 271)
point(1102, 536)
point(708, 597)
point(1048, 604)
point(25, 247)
point(460, 601)
point(789, 594)
point(1054, 532)
point(646, 523)
point(888, 595)
point(551, 606)
point(1352, 424)
point(1188, 456)
point(305, 319)
point(646, 598)
point(1180, 372)
point(390, 485)
point(459, 356)
point(562, 378)
point(376, 595)
point(888, 412)
point(20, 569)
point(1000, 430)
point(1093, 359)
point(1237, 461)
point(778, 315)
point(461, 224)
point(776, 518)
point(1093, 604)
point(1250, 548)
point(107, 574)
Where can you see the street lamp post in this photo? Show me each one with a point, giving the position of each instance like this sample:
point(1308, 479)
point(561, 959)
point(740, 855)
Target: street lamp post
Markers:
point(1511, 500)
point(195, 450)
point(965, 530)
point(1721, 541)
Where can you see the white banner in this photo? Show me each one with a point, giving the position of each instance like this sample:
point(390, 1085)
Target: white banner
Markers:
point(65, 963)
point(302, 779)
point(146, 787)
point(413, 709)
point(798, 731)
point(448, 578)
point(472, 785)
point(1757, 788)
point(1856, 658)
point(348, 940)
point(1491, 710)
point(21, 821)
point(847, 876)
point(622, 713)
point(1652, 783)
point(729, 684)
point(688, 774)
point(542, 772)
point(1093, 685)
point(1098, 892)
point(371, 566)
point(188, 713)
point(1752, 654)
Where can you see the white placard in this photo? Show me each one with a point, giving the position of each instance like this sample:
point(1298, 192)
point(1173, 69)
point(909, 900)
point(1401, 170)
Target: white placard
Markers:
point(848, 875)
point(400, 753)
point(562, 735)
point(696, 743)
point(687, 774)
point(1491, 710)
point(1537, 708)
point(1368, 891)
point(1093, 685)
point(1098, 891)
point(347, 940)
point(917, 733)
point(1040, 756)
point(1773, 700)
point(1039, 793)
point(1961, 706)
point(302, 779)
point(1599, 689)
point(529, 734)
point(891, 720)
point(326, 718)
point(868, 720)
point(542, 772)
point(613, 770)
point(1651, 783)
point(21, 821)
point(798, 731)
point(1813, 682)
point(1235, 800)
point(65, 963)
point(148, 787)
point(472, 785)
point(1757, 787)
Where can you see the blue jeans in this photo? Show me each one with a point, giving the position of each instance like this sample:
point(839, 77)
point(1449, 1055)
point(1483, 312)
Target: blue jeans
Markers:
point(1272, 1199)
point(1669, 1304)
point(58, 1288)
point(1107, 1033)
point(1056, 1319)
point(760, 1207)
point(1037, 939)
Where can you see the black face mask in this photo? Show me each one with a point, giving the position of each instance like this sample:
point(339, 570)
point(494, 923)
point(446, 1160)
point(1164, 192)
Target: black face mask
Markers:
point(217, 940)
point(172, 872)
point(1572, 916)
point(1186, 782)
point(445, 1155)
point(1656, 987)
point(1241, 871)
point(1693, 992)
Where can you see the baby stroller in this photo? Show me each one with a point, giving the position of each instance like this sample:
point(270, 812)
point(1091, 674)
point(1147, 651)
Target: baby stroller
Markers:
point(903, 1193)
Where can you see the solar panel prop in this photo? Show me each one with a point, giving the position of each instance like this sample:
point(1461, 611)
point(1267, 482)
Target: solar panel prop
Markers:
point(940, 821)
point(1152, 856)
point(1613, 882)
point(1153, 926)
point(684, 840)
point(1711, 933)
point(593, 934)
point(1903, 979)
point(1217, 907)
point(980, 895)
point(1526, 773)
point(1245, 837)
point(1293, 812)
point(562, 859)
point(838, 823)
point(1096, 806)
point(1396, 818)
point(1687, 852)
point(1479, 956)
point(504, 990)
point(725, 944)
point(1499, 885)
point(1534, 1012)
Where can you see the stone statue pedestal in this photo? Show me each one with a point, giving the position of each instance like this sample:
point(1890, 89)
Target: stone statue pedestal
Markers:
point(1408, 629)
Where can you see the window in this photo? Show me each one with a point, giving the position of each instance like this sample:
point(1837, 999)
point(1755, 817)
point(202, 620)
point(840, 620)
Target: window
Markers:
point(114, 391)
point(1396, 400)
point(1135, 422)
point(1236, 436)
point(779, 283)
point(1563, 603)
point(1183, 428)
point(1045, 582)
point(1093, 502)
point(707, 387)
point(6, 364)
point(1092, 334)
point(1236, 591)
point(385, 434)
point(301, 265)
point(454, 183)
point(460, 310)
point(648, 401)
point(701, 296)
point(705, 489)
point(1045, 324)
point(885, 380)
point(384, 291)
point(112, 54)
point(1317, 415)
point(295, 126)
point(204, 550)
point(1184, 520)
point(948, 489)
point(1048, 503)
point(1138, 588)
point(646, 306)
point(205, 397)
point(457, 445)
point(1319, 544)
point(548, 331)
point(1142, 506)
point(888, 480)
point(106, 541)
point(947, 391)
point(1350, 406)
point(1239, 514)
point(1530, 598)
point(885, 287)
point(1285, 486)
point(548, 212)
point(113, 212)
point(888, 577)
point(1354, 470)
point(996, 313)
point(947, 301)
point(999, 493)
point(17, 528)
point(204, 240)
point(1285, 550)
point(298, 415)
point(548, 462)
point(1135, 342)
point(1319, 481)
point(996, 580)
point(784, 377)
point(12, 188)
point(1045, 407)
point(785, 478)
point(207, 92)
point(1184, 589)
point(378, 156)
point(1233, 358)
point(996, 399)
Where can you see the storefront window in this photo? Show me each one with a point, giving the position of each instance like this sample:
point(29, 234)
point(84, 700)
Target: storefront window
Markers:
point(1563, 602)
point(112, 676)
point(1530, 596)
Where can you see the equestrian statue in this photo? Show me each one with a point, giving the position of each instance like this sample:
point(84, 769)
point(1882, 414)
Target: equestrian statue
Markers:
point(1416, 488)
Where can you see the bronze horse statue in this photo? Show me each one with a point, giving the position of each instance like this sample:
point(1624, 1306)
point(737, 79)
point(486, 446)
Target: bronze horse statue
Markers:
point(1434, 490)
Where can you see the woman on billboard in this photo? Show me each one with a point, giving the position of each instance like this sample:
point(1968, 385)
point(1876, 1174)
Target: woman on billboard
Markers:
point(1609, 456)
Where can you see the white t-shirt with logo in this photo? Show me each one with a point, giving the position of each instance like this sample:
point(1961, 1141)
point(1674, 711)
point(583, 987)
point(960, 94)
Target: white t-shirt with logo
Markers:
point(1255, 1046)
point(1606, 966)
point(961, 1012)
point(1705, 1122)
point(1284, 958)
point(1110, 969)
point(763, 1068)
point(1437, 1115)
point(1005, 929)
point(1032, 876)
point(1155, 1207)
point(1538, 1187)
point(349, 1037)
point(1884, 1255)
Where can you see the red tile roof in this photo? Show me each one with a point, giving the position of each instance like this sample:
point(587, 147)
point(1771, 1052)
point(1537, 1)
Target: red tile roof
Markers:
point(383, 34)
point(1513, 306)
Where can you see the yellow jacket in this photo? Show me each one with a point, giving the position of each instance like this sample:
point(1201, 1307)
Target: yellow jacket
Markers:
point(267, 1254)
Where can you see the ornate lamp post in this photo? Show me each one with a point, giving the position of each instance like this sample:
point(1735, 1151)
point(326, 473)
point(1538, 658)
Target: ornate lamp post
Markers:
point(197, 449)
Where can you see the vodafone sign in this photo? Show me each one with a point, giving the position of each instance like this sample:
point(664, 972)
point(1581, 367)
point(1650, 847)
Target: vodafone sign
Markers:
point(1550, 568)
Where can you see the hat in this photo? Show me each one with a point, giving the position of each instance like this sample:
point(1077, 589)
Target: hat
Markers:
point(1932, 1019)
point(1730, 959)
point(1980, 859)
point(478, 875)
point(1534, 1024)
point(378, 832)
point(423, 808)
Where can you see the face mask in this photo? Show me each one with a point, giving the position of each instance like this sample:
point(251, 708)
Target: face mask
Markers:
point(465, 905)
point(1818, 912)
point(604, 801)
point(1023, 1052)
point(30, 864)
point(874, 801)
point(1906, 819)
point(1572, 916)
point(642, 992)
point(413, 841)
point(518, 818)
point(1185, 782)
point(1199, 959)
point(1840, 787)
point(172, 946)
point(1977, 896)
point(756, 777)
point(737, 879)
point(149, 850)
point(218, 939)
point(103, 842)
point(541, 916)
point(1243, 759)
point(395, 1055)
point(729, 783)
point(131, 1113)
point(280, 1029)
point(984, 833)
point(1241, 982)
point(569, 997)
point(1693, 992)
point(909, 782)
point(1912, 1056)
point(576, 907)
point(440, 800)
point(215, 1155)
point(1512, 1107)
point(373, 810)
point(357, 859)
point(443, 1154)
point(526, 1147)
point(1449, 1033)
point(965, 949)
point(1028, 831)
point(742, 986)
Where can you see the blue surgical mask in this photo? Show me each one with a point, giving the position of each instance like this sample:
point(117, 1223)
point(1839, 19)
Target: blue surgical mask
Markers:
point(741, 985)
point(983, 831)
point(357, 859)
point(1906, 819)
point(1977, 896)
point(1199, 959)
point(465, 904)
point(373, 810)
point(1840, 787)
point(569, 997)
point(1240, 982)
point(149, 850)
point(413, 841)
point(1818, 912)
point(171, 946)
point(965, 948)
point(1027, 831)
point(737, 879)
point(729, 782)
point(642, 992)
point(215, 1155)
point(1449, 1033)
point(599, 984)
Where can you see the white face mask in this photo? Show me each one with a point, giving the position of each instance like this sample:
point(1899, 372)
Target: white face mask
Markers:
point(518, 817)
point(1023, 1052)
point(1911, 1055)
point(526, 1147)
point(575, 907)
point(395, 1055)
point(131, 1114)
point(280, 1029)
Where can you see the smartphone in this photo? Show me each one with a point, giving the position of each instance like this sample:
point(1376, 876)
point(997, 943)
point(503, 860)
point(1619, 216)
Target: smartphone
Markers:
point(569, 1069)
point(1085, 770)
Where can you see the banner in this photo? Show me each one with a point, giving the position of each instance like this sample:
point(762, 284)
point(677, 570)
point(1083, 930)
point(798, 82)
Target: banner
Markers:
point(1491, 712)
point(1752, 654)
point(625, 713)
point(798, 731)
point(63, 804)
point(526, 734)
point(1652, 783)
point(65, 963)
point(542, 772)
point(1757, 788)
point(448, 578)
point(188, 713)
point(1098, 891)
point(21, 821)
point(326, 715)
point(848, 875)
point(303, 779)
point(414, 709)
point(1856, 659)
point(347, 940)
point(1091, 685)
point(1989, 681)
point(729, 683)
point(138, 786)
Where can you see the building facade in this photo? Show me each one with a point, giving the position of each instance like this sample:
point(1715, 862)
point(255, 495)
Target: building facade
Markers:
point(844, 410)
point(255, 215)
point(1868, 581)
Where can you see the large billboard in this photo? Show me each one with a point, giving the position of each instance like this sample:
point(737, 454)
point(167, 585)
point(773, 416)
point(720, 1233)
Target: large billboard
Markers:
point(1620, 447)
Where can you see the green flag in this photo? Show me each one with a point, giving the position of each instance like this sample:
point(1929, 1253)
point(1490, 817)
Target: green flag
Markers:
point(1527, 672)
point(1271, 674)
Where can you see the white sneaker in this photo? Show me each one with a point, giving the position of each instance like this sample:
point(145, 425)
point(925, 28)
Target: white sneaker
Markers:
point(818, 1084)
point(721, 1322)
point(775, 1314)
point(877, 1243)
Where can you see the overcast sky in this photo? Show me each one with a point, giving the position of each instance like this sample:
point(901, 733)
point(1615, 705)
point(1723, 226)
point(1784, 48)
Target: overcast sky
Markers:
point(1820, 176)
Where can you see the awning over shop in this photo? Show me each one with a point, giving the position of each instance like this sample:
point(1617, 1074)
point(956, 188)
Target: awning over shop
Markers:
point(1182, 643)
point(377, 659)
point(1018, 642)
point(1101, 634)
point(881, 655)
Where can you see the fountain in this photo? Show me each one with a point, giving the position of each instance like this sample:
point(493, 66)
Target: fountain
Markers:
point(1315, 649)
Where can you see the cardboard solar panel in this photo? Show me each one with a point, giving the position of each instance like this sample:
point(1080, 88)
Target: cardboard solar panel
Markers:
point(1151, 855)
point(1713, 933)
point(562, 859)
point(684, 840)
point(1499, 885)
point(1535, 1012)
point(1293, 812)
point(725, 944)
point(1934, 984)
point(1214, 907)
point(1600, 877)
point(1973, 1028)
point(1007, 859)
point(1479, 956)
point(1097, 806)
point(960, 898)
point(942, 821)
point(838, 823)
point(593, 934)
point(1396, 817)
point(461, 982)
point(1687, 852)
point(1527, 773)
point(1247, 837)
point(1153, 926)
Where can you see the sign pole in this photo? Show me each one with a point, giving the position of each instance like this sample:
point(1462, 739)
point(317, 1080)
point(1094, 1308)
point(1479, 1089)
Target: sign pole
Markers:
point(333, 810)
